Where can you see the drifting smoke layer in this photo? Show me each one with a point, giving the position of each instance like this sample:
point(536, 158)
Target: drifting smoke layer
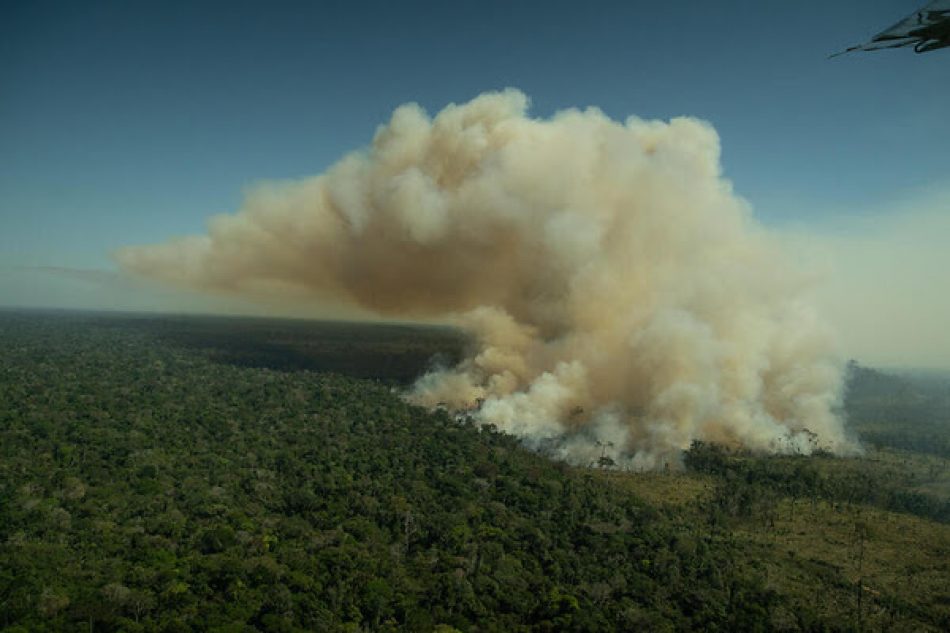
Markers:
point(624, 302)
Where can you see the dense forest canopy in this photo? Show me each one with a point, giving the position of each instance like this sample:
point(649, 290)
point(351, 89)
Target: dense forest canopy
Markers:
point(152, 479)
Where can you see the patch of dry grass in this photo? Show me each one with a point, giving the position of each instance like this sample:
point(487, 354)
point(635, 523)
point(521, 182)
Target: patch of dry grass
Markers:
point(819, 552)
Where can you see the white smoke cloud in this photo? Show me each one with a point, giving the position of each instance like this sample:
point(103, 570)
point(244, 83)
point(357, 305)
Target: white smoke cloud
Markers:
point(624, 301)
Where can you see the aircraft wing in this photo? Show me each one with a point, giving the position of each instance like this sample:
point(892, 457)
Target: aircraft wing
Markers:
point(926, 29)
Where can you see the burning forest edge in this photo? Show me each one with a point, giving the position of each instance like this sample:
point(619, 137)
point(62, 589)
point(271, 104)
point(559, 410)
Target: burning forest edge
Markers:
point(599, 265)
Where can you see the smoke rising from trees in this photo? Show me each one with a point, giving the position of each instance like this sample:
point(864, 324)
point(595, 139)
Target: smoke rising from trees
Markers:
point(623, 299)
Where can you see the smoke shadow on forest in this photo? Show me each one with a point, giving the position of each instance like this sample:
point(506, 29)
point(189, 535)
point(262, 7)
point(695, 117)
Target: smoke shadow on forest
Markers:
point(389, 352)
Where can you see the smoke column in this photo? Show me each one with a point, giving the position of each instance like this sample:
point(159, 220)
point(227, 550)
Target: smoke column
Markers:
point(623, 300)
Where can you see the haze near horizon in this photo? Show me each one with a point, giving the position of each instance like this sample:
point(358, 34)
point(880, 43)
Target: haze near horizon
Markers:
point(133, 125)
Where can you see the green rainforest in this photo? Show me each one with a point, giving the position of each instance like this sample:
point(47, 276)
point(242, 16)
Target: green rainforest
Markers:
point(223, 474)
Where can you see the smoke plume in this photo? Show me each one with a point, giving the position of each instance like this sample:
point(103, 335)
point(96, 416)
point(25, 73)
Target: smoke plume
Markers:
point(623, 300)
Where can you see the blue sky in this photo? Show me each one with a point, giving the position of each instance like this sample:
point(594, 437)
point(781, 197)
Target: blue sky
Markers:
point(130, 122)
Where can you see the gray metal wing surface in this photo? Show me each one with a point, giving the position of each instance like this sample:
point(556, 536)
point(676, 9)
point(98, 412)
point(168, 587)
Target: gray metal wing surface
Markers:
point(926, 29)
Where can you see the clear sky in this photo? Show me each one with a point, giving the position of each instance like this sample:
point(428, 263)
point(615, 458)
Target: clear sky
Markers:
point(130, 122)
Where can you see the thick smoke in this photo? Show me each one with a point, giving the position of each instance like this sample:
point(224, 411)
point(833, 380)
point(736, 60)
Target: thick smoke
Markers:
point(624, 302)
